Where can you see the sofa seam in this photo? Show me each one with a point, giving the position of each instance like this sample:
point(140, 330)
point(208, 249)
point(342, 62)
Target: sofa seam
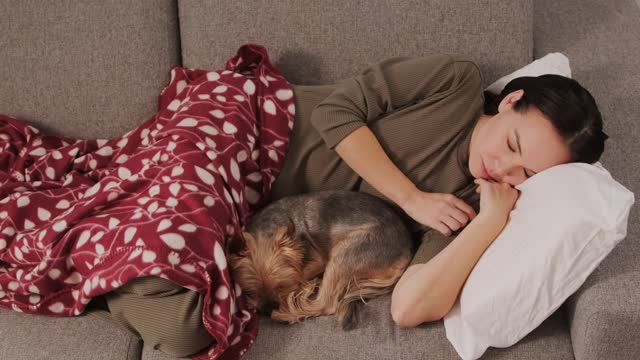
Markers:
point(179, 29)
point(532, 36)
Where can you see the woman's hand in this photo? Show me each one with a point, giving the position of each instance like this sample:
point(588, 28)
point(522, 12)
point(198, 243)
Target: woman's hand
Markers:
point(496, 199)
point(443, 212)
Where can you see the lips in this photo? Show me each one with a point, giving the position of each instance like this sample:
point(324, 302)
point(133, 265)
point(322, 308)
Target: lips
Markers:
point(485, 172)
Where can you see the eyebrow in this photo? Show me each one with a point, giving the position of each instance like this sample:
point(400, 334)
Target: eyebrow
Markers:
point(519, 149)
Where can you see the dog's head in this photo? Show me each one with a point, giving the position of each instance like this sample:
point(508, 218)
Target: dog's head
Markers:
point(267, 270)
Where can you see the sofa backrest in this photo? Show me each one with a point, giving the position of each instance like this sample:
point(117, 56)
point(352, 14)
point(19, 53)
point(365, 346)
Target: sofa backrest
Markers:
point(94, 69)
point(86, 69)
point(319, 42)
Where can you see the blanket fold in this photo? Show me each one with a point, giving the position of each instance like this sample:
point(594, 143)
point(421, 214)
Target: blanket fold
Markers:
point(80, 218)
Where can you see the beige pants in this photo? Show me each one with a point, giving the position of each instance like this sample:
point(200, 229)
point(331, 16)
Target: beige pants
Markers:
point(164, 315)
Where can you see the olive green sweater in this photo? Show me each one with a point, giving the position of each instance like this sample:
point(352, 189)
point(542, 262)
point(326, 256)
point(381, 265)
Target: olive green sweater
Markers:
point(422, 110)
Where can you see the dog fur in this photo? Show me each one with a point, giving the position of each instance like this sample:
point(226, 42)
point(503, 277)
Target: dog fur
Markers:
point(320, 253)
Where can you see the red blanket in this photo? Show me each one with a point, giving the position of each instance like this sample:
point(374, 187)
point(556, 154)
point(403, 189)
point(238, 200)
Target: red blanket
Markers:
point(79, 218)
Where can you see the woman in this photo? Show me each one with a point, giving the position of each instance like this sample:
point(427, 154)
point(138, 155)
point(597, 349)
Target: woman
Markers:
point(431, 141)
point(418, 132)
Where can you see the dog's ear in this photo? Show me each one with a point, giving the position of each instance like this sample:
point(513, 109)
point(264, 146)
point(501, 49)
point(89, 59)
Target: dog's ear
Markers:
point(283, 236)
point(237, 244)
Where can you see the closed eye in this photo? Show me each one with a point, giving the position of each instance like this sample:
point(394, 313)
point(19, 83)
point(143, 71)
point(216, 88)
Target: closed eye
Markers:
point(514, 150)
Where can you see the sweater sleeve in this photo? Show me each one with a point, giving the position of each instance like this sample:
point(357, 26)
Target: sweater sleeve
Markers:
point(384, 87)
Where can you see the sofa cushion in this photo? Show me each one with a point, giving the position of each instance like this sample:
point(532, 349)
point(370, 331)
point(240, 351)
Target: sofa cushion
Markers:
point(90, 69)
point(323, 41)
point(26, 336)
point(377, 337)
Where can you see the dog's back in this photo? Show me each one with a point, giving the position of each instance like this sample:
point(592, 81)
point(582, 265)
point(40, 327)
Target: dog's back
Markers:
point(326, 216)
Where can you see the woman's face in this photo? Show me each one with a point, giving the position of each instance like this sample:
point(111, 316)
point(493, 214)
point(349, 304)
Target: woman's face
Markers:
point(513, 146)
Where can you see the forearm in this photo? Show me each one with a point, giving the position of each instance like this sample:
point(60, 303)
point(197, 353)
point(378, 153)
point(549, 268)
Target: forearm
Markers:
point(427, 292)
point(364, 154)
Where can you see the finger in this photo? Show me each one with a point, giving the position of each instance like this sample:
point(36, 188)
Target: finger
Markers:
point(443, 229)
point(452, 223)
point(460, 215)
point(480, 181)
point(462, 205)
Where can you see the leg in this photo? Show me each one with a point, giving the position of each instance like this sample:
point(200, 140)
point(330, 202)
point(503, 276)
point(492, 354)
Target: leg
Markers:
point(166, 316)
point(315, 266)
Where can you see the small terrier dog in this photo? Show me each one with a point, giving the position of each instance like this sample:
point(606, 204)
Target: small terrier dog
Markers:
point(320, 254)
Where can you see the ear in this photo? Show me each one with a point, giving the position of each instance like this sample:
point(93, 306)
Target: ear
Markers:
point(510, 99)
point(283, 236)
point(237, 244)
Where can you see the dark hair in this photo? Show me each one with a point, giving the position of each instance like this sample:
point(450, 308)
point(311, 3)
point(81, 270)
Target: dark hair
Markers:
point(570, 108)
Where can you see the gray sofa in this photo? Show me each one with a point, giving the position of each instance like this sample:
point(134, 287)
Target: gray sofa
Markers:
point(94, 69)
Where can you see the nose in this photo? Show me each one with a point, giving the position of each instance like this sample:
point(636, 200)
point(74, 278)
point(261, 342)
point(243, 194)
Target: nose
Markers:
point(512, 176)
point(506, 171)
point(269, 306)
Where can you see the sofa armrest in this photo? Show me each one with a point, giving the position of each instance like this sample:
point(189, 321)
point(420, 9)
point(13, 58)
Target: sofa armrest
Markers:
point(604, 317)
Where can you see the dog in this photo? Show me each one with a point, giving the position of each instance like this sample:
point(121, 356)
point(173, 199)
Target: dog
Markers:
point(320, 253)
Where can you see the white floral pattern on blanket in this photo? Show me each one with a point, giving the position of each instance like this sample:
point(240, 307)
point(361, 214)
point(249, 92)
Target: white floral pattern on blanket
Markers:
point(79, 218)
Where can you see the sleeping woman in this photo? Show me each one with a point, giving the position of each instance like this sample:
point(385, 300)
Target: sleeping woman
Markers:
point(421, 133)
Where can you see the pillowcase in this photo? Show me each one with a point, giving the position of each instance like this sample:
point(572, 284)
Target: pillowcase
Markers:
point(553, 63)
point(567, 219)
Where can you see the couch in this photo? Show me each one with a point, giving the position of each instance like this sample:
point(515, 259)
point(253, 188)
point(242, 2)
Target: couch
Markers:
point(94, 69)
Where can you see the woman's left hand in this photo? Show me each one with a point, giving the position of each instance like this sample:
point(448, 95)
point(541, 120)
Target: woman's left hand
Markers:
point(496, 199)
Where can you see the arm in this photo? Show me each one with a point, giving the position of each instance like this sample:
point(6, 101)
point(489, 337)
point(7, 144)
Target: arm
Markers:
point(387, 86)
point(427, 292)
point(364, 154)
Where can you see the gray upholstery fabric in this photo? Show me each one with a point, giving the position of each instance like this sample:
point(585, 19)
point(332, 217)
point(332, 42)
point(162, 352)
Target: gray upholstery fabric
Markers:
point(94, 69)
point(90, 69)
point(148, 353)
point(379, 338)
point(318, 42)
point(602, 41)
point(26, 336)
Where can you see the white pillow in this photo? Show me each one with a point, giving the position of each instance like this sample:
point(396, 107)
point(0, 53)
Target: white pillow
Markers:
point(565, 222)
point(553, 63)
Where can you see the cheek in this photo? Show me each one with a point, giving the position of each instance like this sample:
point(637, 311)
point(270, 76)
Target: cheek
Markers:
point(495, 149)
point(484, 151)
point(494, 143)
